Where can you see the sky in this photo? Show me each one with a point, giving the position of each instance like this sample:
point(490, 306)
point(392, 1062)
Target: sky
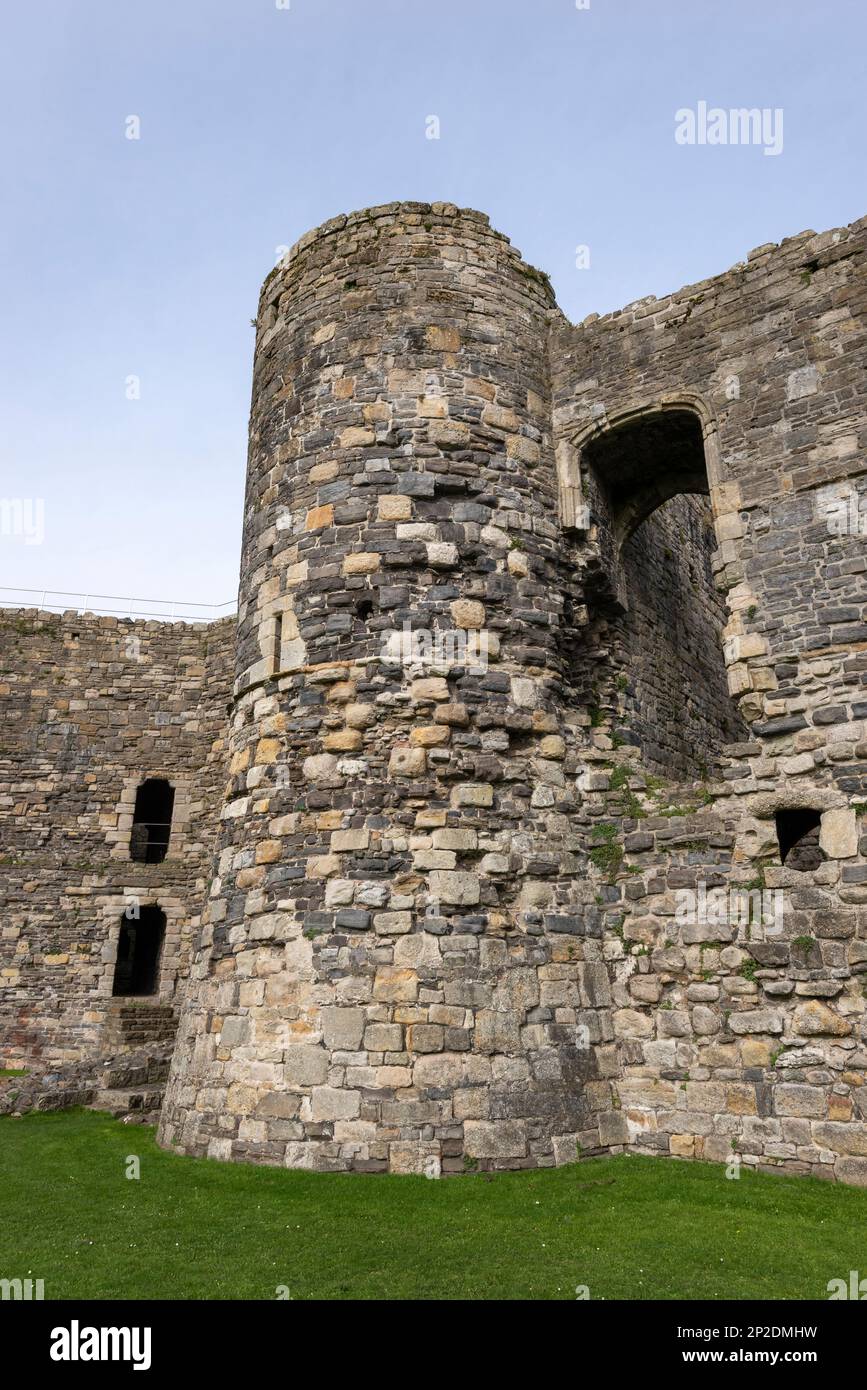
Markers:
point(130, 268)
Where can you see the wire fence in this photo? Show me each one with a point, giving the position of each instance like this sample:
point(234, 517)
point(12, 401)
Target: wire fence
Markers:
point(116, 605)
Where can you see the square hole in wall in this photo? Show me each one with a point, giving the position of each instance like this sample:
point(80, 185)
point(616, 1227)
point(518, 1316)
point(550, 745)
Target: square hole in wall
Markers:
point(798, 838)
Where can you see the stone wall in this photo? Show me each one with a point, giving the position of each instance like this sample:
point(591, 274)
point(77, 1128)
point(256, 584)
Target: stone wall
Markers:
point(435, 937)
point(483, 775)
point(770, 356)
point(746, 1037)
point(89, 708)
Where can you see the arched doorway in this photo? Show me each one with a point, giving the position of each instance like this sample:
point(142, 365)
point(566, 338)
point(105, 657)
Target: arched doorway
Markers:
point(654, 608)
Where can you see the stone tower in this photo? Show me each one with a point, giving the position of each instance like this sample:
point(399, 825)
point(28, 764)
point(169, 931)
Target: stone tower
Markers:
point(362, 998)
point(494, 567)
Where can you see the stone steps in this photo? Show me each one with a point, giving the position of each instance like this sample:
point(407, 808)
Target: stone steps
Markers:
point(119, 1076)
point(131, 1026)
point(130, 1085)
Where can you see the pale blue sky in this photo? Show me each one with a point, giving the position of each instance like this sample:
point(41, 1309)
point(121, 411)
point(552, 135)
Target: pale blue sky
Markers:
point(145, 257)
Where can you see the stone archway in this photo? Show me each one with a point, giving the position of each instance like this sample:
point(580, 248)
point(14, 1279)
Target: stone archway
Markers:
point(640, 486)
point(694, 424)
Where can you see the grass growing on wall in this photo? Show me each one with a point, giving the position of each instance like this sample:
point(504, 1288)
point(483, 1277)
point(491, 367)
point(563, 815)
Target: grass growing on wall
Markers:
point(625, 1227)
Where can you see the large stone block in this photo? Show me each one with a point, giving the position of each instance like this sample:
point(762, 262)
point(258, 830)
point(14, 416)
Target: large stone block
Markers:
point(331, 1103)
point(503, 1139)
point(305, 1065)
point(455, 886)
point(342, 1028)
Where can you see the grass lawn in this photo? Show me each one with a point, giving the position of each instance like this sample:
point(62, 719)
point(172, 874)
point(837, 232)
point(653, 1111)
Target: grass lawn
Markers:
point(194, 1228)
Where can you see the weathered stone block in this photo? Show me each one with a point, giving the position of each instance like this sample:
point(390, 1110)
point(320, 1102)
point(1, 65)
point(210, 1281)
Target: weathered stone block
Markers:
point(342, 1028)
point(407, 762)
point(756, 1021)
point(394, 985)
point(305, 1066)
point(330, 1103)
point(455, 886)
point(816, 1020)
point(503, 1139)
point(473, 794)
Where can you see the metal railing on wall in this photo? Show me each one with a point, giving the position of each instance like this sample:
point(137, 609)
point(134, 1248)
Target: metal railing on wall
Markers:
point(116, 605)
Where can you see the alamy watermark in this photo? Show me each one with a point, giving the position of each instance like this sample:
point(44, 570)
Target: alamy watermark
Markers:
point(77, 1343)
point(729, 907)
point(22, 1290)
point(424, 646)
point(856, 1288)
point(842, 509)
point(740, 125)
point(23, 518)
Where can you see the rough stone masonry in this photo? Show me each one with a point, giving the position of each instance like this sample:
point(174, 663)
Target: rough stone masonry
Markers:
point(520, 816)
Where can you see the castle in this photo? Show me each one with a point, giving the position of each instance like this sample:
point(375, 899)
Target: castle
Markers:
point(519, 814)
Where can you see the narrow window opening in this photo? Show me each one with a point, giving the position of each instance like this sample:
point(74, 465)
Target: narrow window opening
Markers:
point(138, 953)
point(798, 837)
point(152, 821)
point(278, 641)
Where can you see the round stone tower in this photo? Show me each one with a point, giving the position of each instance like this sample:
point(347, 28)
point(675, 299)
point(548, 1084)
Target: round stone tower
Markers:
point(399, 967)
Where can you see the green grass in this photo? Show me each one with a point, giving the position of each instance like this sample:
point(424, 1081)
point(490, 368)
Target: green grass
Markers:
point(194, 1228)
point(12, 1071)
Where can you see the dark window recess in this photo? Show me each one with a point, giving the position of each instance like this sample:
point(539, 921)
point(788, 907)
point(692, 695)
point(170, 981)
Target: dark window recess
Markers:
point(138, 953)
point(798, 837)
point(278, 642)
point(152, 821)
